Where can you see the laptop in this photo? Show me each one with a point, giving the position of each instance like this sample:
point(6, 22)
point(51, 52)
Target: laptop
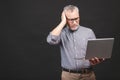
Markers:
point(101, 48)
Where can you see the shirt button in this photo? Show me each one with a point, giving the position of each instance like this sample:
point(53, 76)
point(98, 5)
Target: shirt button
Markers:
point(75, 47)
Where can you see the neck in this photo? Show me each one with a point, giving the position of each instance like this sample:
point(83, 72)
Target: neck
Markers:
point(75, 29)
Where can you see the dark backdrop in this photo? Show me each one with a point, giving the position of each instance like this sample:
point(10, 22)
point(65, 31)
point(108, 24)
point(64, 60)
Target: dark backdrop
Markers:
point(25, 24)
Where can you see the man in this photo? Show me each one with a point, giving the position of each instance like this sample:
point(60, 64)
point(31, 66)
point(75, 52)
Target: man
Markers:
point(73, 38)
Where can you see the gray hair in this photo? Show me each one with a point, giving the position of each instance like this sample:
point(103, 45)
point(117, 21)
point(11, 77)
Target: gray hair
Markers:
point(70, 8)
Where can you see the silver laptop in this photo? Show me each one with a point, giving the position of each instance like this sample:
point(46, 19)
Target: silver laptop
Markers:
point(101, 48)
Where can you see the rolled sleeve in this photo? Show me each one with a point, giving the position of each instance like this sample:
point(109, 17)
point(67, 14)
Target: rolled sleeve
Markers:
point(86, 63)
point(53, 39)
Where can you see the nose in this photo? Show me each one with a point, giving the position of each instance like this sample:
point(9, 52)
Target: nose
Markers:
point(74, 22)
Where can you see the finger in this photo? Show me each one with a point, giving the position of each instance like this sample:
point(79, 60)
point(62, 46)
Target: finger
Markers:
point(96, 60)
point(101, 59)
point(63, 17)
point(92, 61)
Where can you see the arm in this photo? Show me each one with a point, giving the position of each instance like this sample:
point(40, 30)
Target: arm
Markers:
point(56, 31)
point(54, 36)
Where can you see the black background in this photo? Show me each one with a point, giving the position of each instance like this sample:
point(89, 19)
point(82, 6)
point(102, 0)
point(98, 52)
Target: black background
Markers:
point(25, 24)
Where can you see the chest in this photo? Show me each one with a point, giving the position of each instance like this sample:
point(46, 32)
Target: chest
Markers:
point(78, 39)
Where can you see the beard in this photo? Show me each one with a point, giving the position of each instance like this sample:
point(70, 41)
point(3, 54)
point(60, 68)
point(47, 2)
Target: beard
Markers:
point(74, 28)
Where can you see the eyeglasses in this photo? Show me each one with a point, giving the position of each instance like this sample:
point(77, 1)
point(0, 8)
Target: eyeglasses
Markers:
point(73, 19)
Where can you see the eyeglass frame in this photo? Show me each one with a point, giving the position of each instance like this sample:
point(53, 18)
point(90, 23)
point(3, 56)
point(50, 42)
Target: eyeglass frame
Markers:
point(73, 19)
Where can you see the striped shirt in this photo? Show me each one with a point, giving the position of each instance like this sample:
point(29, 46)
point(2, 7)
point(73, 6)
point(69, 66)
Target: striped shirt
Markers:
point(73, 46)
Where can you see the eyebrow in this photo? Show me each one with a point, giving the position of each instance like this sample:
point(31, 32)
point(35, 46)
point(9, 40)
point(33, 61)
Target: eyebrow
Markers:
point(73, 18)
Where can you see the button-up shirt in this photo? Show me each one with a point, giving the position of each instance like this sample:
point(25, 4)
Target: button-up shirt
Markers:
point(73, 45)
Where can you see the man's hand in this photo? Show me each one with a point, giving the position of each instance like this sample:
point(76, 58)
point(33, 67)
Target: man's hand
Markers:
point(63, 17)
point(57, 30)
point(95, 60)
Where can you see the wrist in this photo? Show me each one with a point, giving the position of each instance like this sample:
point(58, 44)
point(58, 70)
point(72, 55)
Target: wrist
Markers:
point(63, 22)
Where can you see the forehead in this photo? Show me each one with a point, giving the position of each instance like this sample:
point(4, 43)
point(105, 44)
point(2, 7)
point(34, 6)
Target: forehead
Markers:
point(72, 14)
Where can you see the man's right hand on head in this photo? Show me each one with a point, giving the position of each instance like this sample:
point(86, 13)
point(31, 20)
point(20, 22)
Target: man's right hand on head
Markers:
point(63, 17)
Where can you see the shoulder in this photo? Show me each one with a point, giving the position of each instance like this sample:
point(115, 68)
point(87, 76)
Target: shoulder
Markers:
point(88, 32)
point(65, 29)
point(85, 29)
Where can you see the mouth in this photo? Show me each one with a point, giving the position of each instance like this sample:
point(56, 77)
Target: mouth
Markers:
point(74, 27)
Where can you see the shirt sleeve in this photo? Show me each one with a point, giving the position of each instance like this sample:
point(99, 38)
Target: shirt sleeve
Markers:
point(53, 39)
point(86, 63)
point(92, 35)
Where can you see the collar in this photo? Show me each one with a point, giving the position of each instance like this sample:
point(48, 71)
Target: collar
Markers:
point(73, 30)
